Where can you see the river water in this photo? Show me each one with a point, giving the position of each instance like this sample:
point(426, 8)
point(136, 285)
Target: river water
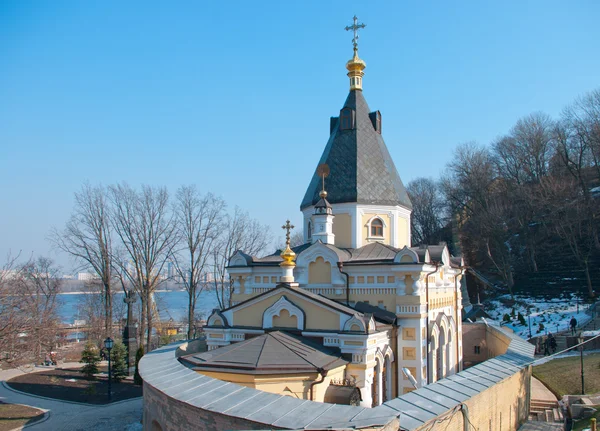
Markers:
point(171, 304)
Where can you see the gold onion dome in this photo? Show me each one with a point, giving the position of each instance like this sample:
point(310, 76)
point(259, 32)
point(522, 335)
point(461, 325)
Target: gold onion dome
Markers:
point(288, 256)
point(356, 64)
point(355, 71)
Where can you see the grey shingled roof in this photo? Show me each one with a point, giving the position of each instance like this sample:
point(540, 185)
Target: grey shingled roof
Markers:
point(302, 292)
point(371, 253)
point(361, 168)
point(274, 352)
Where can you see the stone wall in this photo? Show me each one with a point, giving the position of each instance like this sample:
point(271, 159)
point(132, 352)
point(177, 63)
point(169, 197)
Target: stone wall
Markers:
point(164, 413)
point(502, 407)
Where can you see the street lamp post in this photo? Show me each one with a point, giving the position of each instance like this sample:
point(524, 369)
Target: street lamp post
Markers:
point(580, 340)
point(529, 320)
point(108, 343)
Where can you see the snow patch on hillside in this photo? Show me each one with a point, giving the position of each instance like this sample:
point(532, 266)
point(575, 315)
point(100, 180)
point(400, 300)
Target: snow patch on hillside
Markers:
point(545, 315)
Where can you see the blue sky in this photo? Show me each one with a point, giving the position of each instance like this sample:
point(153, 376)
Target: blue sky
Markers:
point(236, 96)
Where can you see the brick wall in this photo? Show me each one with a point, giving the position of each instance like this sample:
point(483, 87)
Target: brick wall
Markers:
point(503, 407)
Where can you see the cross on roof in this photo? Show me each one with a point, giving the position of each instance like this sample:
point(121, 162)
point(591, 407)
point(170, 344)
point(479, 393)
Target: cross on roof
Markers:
point(355, 27)
point(288, 227)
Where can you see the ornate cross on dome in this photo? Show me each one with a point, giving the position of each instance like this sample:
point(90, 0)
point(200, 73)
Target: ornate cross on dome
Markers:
point(288, 227)
point(355, 27)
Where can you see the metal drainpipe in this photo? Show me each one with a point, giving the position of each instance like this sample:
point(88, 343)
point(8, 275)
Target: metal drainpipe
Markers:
point(465, 411)
point(340, 266)
point(437, 265)
point(323, 374)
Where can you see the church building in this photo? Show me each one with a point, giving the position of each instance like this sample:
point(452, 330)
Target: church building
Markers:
point(356, 314)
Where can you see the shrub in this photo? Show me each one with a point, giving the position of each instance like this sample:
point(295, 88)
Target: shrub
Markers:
point(521, 319)
point(512, 313)
point(90, 389)
point(506, 318)
point(541, 328)
point(118, 365)
point(90, 357)
point(137, 379)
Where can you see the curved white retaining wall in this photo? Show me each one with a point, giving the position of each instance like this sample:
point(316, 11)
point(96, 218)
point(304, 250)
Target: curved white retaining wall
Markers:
point(177, 398)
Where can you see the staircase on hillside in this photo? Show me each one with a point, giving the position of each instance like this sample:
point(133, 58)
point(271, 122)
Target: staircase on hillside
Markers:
point(545, 411)
point(561, 342)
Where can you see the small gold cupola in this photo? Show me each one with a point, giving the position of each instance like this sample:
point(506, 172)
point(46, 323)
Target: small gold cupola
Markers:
point(288, 256)
point(355, 66)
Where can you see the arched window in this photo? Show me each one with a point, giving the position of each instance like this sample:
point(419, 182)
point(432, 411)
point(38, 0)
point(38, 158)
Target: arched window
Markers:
point(377, 227)
point(346, 119)
point(309, 230)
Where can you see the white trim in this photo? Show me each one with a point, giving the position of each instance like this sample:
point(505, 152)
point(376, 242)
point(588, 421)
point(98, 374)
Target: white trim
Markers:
point(276, 309)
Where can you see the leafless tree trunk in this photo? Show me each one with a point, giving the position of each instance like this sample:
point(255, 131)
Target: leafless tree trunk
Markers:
point(240, 233)
point(13, 318)
point(199, 221)
point(38, 287)
point(145, 225)
point(87, 237)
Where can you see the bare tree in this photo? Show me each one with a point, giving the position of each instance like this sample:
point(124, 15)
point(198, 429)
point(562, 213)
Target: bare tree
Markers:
point(145, 225)
point(534, 145)
point(568, 216)
point(38, 285)
point(474, 194)
point(582, 119)
point(240, 233)
point(87, 237)
point(428, 211)
point(13, 319)
point(199, 221)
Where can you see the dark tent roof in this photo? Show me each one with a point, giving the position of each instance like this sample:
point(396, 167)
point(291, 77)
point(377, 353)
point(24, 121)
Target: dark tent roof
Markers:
point(361, 168)
point(271, 353)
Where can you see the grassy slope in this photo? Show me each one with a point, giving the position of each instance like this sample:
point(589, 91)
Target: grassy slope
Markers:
point(563, 376)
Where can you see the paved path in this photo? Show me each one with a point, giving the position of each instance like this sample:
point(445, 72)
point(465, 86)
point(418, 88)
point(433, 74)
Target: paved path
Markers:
point(540, 392)
point(65, 416)
point(541, 426)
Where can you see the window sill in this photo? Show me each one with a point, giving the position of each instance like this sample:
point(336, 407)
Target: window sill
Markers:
point(375, 238)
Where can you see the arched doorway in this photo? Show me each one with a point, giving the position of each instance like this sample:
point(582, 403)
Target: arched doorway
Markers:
point(432, 364)
point(384, 381)
point(387, 378)
point(376, 388)
point(440, 369)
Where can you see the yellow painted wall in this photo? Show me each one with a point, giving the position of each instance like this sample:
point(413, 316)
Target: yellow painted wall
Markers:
point(284, 320)
point(316, 317)
point(342, 229)
point(386, 227)
point(296, 385)
point(402, 232)
point(319, 272)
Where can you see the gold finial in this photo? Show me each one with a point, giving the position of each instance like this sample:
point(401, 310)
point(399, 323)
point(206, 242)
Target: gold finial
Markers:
point(288, 255)
point(355, 66)
point(323, 172)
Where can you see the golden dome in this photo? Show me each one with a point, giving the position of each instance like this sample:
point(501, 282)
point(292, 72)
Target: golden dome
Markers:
point(356, 64)
point(288, 256)
point(355, 71)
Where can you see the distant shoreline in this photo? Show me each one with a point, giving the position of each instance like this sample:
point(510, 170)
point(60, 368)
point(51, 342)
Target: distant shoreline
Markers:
point(120, 292)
